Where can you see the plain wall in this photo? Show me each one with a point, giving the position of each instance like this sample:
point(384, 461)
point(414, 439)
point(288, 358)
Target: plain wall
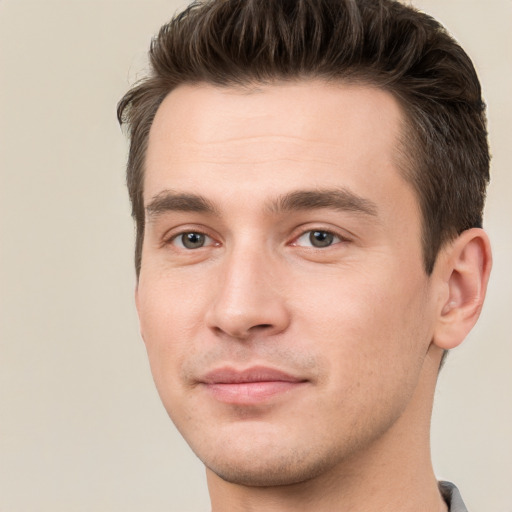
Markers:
point(81, 426)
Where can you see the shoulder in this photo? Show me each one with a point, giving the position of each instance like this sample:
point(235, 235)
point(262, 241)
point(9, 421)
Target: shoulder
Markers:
point(452, 497)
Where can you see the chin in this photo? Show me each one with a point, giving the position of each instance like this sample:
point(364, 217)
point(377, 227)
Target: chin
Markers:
point(267, 466)
point(267, 473)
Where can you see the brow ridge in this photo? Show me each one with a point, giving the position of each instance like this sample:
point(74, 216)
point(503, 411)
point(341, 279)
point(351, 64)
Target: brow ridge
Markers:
point(341, 199)
point(169, 201)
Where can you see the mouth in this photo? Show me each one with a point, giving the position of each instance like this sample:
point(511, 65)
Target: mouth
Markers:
point(250, 386)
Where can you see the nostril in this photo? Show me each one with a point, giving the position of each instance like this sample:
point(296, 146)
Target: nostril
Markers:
point(261, 327)
point(241, 315)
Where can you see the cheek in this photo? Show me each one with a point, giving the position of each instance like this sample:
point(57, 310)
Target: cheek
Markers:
point(368, 326)
point(169, 318)
point(168, 306)
point(371, 348)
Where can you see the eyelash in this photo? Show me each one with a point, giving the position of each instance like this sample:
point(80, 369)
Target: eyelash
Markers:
point(332, 237)
point(180, 236)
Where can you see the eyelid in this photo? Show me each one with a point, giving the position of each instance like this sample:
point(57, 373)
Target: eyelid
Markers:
point(342, 237)
point(304, 240)
point(177, 241)
point(173, 234)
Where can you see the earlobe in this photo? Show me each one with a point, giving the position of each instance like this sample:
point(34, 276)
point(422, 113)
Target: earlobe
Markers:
point(466, 266)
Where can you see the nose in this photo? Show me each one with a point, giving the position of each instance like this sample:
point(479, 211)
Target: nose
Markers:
point(249, 298)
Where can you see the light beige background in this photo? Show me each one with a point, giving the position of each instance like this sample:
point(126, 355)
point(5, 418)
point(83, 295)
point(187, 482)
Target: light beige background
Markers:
point(81, 427)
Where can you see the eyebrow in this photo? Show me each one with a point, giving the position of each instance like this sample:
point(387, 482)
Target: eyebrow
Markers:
point(340, 199)
point(170, 201)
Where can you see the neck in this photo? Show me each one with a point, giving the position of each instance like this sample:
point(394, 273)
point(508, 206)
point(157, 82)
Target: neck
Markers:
point(394, 473)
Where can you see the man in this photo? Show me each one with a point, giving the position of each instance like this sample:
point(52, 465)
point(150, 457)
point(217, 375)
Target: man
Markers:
point(308, 178)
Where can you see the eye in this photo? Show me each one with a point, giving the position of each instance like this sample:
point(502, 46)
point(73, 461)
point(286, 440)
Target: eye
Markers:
point(192, 240)
point(317, 238)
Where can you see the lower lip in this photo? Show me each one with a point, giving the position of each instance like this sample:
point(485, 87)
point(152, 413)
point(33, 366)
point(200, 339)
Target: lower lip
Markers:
point(247, 393)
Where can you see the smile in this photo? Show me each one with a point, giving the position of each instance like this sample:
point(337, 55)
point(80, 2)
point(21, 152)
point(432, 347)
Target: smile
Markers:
point(250, 386)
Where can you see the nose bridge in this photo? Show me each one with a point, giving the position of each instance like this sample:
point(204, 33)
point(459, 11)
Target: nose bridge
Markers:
point(249, 297)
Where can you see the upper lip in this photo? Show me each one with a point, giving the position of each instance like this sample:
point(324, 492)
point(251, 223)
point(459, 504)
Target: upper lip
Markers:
point(229, 375)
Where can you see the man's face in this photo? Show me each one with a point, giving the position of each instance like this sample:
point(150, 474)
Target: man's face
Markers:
point(282, 296)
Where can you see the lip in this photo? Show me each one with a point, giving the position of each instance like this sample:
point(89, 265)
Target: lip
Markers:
point(249, 386)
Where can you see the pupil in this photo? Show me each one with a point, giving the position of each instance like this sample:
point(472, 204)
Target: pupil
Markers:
point(193, 240)
point(321, 238)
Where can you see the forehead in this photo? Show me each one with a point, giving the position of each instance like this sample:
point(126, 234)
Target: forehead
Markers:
point(206, 114)
point(310, 134)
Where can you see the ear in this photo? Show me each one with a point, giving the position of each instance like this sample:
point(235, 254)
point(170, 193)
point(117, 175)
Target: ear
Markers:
point(464, 269)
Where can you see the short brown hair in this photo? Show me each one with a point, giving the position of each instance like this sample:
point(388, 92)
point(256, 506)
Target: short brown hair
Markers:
point(444, 152)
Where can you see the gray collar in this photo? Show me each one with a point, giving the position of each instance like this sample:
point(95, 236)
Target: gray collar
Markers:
point(452, 497)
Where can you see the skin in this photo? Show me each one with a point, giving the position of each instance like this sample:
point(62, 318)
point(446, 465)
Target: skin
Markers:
point(356, 324)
